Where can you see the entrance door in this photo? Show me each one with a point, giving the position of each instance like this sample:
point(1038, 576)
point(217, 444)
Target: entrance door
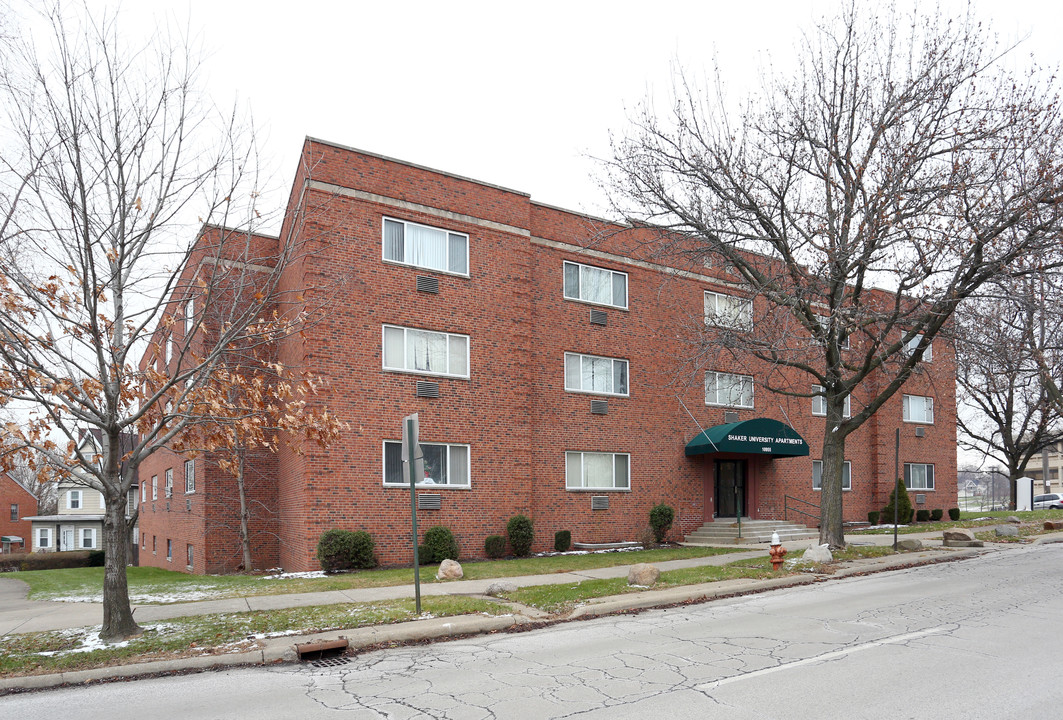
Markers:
point(66, 538)
point(731, 488)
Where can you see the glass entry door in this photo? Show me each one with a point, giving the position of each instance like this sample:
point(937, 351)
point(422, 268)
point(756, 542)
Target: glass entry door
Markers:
point(731, 488)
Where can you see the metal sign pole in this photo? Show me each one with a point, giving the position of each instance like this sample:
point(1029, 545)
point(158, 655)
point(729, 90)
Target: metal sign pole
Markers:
point(896, 478)
point(411, 453)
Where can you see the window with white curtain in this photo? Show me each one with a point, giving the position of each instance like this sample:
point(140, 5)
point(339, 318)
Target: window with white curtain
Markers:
point(918, 476)
point(424, 351)
point(728, 311)
point(593, 374)
point(587, 283)
point(728, 389)
point(913, 345)
point(597, 471)
point(819, 403)
point(443, 465)
point(919, 409)
point(426, 247)
point(817, 475)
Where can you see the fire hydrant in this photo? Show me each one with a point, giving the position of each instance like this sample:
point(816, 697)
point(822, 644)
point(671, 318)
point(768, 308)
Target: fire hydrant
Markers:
point(777, 551)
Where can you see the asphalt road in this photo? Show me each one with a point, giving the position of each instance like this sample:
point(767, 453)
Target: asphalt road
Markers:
point(972, 639)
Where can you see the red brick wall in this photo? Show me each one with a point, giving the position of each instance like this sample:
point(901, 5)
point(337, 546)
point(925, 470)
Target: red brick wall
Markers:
point(11, 493)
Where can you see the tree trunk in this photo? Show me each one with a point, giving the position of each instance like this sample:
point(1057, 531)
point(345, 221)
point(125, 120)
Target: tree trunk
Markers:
point(118, 623)
point(245, 535)
point(830, 512)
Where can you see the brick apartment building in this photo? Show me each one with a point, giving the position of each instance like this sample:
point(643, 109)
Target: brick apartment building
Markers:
point(544, 352)
point(16, 503)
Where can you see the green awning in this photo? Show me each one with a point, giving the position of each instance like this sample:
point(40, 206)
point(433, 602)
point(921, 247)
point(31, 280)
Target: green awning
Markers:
point(759, 436)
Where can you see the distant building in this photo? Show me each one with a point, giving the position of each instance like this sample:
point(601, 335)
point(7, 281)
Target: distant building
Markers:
point(16, 502)
point(1035, 469)
point(541, 354)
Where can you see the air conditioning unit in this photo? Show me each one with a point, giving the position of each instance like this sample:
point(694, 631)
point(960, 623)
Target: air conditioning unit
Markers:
point(920, 432)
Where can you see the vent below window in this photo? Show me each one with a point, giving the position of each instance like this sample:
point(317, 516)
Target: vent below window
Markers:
point(188, 505)
point(599, 407)
point(427, 389)
point(920, 499)
point(427, 284)
point(599, 502)
point(429, 502)
point(598, 317)
point(920, 432)
point(730, 417)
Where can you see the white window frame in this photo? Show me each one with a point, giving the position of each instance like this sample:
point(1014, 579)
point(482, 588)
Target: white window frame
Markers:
point(578, 297)
point(143, 493)
point(450, 337)
point(92, 538)
point(847, 475)
point(420, 483)
point(190, 477)
point(169, 550)
point(71, 503)
point(44, 537)
point(190, 555)
point(407, 223)
point(169, 350)
point(581, 357)
point(742, 320)
point(717, 375)
point(819, 403)
point(928, 409)
point(928, 354)
point(154, 487)
point(168, 483)
point(579, 456)
point(190, 315)
point(928, 476)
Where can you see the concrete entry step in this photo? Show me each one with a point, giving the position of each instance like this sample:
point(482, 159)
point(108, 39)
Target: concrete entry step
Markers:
point(725, 532)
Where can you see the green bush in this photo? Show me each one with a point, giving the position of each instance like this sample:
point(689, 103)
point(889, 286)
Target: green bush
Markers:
point(904, 505)
point(954, 514)
point(97, 558)
point(936, 514)
point(438, 545)
point(345, 550)
point(13, 562)
point(521, 534)
point(495, 546)
point(661, 518)
point(922, 515)
point(872, 517)
point(562, 540)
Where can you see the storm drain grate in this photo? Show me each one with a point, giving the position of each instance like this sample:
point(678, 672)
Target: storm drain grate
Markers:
point(330, 662)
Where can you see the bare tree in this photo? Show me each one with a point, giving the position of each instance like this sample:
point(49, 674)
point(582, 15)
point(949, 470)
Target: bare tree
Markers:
point(860, 199)
point(999, 337)
point(116, 153)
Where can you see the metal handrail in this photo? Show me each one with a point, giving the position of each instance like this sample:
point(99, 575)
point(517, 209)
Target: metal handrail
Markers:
point(786, 507)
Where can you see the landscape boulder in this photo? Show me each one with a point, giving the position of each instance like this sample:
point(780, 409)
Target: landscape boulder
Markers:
point(1053, 524)
point(1007, 531)
point(450, 570)
point(909, 544)
point(957, 534)
point(1014, 520)
point(500, 587)
point(818, 554)
point(643, 574)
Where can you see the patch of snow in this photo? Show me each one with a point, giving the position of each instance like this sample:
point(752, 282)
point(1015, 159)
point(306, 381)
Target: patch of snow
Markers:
point(284, 576)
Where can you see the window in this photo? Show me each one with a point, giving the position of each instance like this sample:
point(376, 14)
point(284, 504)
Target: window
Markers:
point(817, 475)
point(190, 476)
point(443, 465)
point(819, 403)
point(595, 285)
point(44, 537)
point(168, 486)
point(14, 512)
point(130, 501)
point(423, 351)
point(73, 500)
point(728, 389)
point(913, 345)
point(143, 492)
point(728, 311)
point(593, 374)
point(169, 350)
point(426, 247)
point(919, 476)
point(189, 552)
point(154, 545)
point(88, 538)
point(190, 314)
point(824, 322)
point(919, 409)
point(154, 487)
point(169, 550)
point(598, 471)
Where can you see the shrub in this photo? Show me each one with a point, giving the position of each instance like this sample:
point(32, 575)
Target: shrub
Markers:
point(562, 540)
point(97, 558)
point(922, 515)
point(438, 545)
point(521, 534)
point(645, 537)
point(345, 550)
point(904, 505)
point(954, 514)
point(495, 546)
point(661, 518)
point(872, 517)
point(936, 514)
point(13, 562)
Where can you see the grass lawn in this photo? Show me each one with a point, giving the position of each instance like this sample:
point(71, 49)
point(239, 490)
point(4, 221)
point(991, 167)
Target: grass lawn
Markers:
point(155, 586)
point(973, 521)
point(80, 649)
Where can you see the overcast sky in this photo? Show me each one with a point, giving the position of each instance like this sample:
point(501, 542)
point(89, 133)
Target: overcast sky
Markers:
point(519, 95)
